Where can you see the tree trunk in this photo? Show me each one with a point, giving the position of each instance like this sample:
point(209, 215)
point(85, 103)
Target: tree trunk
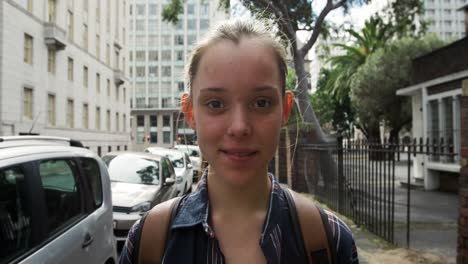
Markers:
point(305, 106)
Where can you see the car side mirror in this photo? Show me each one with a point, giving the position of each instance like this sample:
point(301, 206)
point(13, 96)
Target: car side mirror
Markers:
point(169, 182)
point(189, 166)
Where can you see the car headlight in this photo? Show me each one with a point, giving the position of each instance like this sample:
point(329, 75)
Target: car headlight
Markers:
point(141, 207)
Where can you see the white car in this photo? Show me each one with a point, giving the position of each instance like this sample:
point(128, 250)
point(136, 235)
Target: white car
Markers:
point(139, 181)
point(182, 166)
point(195, 156)
point(55, 202)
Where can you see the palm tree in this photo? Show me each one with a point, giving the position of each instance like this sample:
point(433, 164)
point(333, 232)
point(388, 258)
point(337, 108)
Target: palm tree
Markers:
point(372, 37)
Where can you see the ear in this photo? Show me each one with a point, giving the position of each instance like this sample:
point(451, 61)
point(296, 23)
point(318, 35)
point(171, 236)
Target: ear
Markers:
point(287, 106)
point(187, 109)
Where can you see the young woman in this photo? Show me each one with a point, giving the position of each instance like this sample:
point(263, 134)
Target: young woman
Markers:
point(239, 213)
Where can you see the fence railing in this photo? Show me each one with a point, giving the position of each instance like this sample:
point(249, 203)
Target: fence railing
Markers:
point(364, 186)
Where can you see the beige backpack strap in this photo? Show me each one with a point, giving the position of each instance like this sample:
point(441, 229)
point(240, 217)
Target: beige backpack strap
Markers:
point(315, 230)
point(154, 231)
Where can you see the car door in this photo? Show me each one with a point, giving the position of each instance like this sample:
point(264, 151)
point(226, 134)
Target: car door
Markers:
point(67, 238)
point(168, 190)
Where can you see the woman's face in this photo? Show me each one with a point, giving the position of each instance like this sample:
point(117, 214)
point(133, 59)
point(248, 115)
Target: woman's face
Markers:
point(238, 108)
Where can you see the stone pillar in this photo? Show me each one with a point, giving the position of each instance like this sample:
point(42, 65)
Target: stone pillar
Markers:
point(462, 248)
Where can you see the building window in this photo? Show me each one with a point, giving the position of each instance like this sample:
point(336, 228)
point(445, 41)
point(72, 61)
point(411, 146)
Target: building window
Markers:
point(116, 93)
point(179, 55)
point(140, 55)
point(51, 57)
point(153, 71)
point(107, 54)
point(98, 83)
point(140, 129)
point(140, 71)
point(30, 6)
point(204, 24)
point(166, 120)
point(85, 77)
point(166, 137)
point(124, 122)
point(191, 39)
point(117, 57)
point(28, 103)
point(51, 110)
point(152, 25)
point(179, 40)
point(98, 46)
point(153, 55)
point(108, 15)
point(190, 9)
point(166, 71)
point(108, 87)
point(70, 25)
point(117, 128)
point(166, 40)
point(28, 49)
point(153, 9)
point(98, 118)
point(204, 9)
point(70, 111)
point(140, 25)
point(191, 24)
point(181, 86)
point(153, 40)
point(85, 36)
point(85, 120)
point(154, 128)
point(52, 8)
point(124, 93)
point(108, 122)
point(70, 69)
point(140, 8)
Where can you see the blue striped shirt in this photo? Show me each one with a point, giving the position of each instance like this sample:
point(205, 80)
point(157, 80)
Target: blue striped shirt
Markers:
point(193, 241)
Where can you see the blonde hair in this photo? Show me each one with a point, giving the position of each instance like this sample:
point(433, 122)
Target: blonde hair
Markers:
point(235, 30)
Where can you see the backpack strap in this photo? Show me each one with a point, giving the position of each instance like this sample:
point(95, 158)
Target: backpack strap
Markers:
point(155, 232)
point(315, 232)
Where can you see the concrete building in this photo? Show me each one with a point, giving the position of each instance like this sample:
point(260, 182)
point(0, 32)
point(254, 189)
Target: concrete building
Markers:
point(62, 71)
point(158, 52)
point(445, 20)
point(436, 105)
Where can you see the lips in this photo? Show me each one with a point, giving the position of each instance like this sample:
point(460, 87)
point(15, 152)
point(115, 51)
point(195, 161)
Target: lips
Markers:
point(239, 154)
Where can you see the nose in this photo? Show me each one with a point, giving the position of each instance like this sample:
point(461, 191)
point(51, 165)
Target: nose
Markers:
point(240, 125)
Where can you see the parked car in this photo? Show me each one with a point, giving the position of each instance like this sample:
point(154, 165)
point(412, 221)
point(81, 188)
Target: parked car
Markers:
point(182, 167)
point(195, 156)
point(55, 202)
point(139, 181)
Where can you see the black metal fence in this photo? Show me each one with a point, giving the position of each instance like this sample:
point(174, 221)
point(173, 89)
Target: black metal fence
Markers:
point(363, 187)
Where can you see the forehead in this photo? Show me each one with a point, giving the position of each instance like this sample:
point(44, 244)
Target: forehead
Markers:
point(250, 62)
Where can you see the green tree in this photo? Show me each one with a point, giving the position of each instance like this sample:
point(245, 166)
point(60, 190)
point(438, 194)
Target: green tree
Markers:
point(333, 114)
point(375, 83)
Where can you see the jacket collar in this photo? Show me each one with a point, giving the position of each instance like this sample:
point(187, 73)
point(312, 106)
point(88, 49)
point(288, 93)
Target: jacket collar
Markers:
point(194, 210)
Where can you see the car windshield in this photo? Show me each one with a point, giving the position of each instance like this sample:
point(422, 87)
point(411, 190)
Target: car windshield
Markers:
point(192, 152)
point(133, 169)
point(176, 160)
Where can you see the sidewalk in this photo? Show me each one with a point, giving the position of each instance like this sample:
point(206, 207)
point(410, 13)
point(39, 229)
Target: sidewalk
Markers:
point(372, 249)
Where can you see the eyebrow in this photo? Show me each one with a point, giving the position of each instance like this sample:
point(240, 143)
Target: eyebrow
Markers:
point(221, 89)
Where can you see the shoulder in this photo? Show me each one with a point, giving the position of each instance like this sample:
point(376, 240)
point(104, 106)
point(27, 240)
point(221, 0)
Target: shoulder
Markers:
point(147, 224)
point(343, 240)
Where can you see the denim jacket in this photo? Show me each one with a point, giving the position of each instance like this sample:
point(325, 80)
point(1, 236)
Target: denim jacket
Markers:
point(193, 240)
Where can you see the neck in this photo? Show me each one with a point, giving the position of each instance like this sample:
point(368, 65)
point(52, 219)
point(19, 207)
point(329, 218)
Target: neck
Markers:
point(238, 200)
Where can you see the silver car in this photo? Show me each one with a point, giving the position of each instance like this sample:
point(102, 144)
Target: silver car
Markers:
point(195, 156)
point(182, 166)
point(55, 203)
point(139, 181)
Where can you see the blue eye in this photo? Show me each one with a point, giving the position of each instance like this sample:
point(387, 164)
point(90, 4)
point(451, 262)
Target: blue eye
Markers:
point(215, 104)
point(262, 103)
